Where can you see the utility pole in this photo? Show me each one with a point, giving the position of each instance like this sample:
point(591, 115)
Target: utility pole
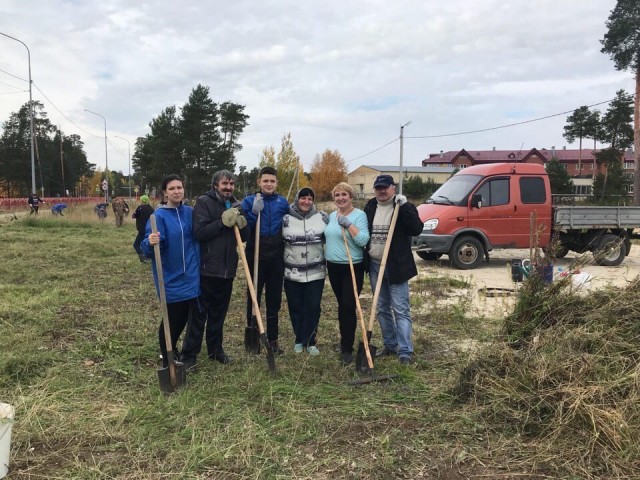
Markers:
point(64, 190)
point(401, 142)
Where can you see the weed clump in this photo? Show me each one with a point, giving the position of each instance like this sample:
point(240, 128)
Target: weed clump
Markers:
point(565, 381)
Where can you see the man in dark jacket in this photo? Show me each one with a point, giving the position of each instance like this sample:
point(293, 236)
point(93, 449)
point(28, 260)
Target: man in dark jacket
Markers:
point(141, 215)
point(394, 314)
point(214, 216)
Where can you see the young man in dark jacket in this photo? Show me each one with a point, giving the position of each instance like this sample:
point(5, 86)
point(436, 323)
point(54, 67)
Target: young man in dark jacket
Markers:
point(141, 215)
point(272, 208)
point(214, 216)
point(394, 313)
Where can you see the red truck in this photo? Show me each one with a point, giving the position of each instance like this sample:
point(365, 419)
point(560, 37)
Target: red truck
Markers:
point(489, 206)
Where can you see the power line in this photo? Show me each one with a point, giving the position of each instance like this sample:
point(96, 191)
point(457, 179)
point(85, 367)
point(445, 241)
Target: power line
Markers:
point(13, 86)
point(373, 151)
point(509, 124)
point(61, 113)
point(11, 93)
point(14, 76)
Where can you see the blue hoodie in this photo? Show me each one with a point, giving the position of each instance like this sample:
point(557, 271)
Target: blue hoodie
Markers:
point(179, 250)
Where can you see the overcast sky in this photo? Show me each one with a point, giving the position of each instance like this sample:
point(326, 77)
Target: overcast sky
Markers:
point(337, 74)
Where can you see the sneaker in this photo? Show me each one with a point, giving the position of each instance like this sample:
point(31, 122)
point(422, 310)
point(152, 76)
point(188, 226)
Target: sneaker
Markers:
point(273, 344)
point(313, 350)
point(221, 357)
point(385, 352)
point(347, 358)
point(406, 360)
point(298, 348)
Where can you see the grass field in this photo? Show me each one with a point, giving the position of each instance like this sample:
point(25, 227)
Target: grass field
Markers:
point(78, 359)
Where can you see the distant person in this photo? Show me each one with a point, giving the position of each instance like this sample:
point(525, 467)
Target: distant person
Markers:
point(141, 215)
point(304, 268)
point(120, 209)
point(180, 254)
point(271, 207)
point(101, 210)
point(34, 203)
point(58, 208)
point(353, 223)
point(214, 216)
point(394, 306)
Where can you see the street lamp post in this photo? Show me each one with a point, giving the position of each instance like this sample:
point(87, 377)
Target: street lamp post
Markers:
point(33, 163)
point(106, 159)
point(129, 157)
point(401, 145)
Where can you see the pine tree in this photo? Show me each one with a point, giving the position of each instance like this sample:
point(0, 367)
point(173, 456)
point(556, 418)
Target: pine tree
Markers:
point(622, 43)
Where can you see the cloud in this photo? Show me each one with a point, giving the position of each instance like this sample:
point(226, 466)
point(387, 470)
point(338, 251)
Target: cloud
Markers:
point(338, 75)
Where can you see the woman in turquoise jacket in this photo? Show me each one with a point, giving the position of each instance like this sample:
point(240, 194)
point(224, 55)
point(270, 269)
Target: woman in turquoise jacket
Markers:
point(180, 255)
point(353, 222)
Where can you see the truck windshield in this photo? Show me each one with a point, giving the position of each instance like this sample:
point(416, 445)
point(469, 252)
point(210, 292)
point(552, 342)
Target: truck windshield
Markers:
point(455, 190)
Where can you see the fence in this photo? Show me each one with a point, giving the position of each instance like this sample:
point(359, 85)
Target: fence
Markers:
point(17, 204)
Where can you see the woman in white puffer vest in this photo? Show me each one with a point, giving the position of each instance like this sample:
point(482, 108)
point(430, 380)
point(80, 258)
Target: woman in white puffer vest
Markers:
point(304, 268)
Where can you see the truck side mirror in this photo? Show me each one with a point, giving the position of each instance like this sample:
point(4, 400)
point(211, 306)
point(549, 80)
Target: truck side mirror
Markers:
point(476, 201)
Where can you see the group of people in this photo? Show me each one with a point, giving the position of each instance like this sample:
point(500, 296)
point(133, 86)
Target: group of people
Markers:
point(34, 202)
point(296, 245)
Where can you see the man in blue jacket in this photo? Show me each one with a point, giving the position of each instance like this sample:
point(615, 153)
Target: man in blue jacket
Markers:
point(271, 207)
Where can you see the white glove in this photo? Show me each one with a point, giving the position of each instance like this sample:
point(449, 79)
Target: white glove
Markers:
point(344, 222)
point(258, 205)
point(325, 217)
point(401, 199)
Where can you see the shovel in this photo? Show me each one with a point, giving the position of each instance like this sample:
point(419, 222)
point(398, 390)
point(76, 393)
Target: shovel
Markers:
point(251, 334)
point(174, 375)
point(271, 360)
point(371, 376)
point(360, 357)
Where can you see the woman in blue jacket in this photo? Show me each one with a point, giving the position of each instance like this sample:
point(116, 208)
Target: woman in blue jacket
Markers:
point(180, 254)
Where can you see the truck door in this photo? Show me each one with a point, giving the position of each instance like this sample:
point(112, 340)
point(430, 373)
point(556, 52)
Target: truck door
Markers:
point(531, 194)
point(493, 218)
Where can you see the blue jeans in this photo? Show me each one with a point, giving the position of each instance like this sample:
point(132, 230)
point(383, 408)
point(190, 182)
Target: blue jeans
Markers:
point(394, 312)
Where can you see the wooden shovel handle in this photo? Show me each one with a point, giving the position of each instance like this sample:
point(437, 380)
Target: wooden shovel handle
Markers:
point(256, 260)
point(163, 306)
point(383, 266)
point(252, 291)
point(363, 326)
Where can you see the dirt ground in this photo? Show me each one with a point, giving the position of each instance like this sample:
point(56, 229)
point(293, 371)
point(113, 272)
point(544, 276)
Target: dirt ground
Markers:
point(497, 275)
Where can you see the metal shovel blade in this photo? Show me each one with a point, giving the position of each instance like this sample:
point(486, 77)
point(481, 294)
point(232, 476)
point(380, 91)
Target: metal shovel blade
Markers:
point(362, 366)
point(372, 377)
point(271, 359)
point(164, 378)
point(252, 338)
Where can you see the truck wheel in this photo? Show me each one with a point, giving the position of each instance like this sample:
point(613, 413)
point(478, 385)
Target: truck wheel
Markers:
point(611, 251)
point(561, 252)
point(429, 256)
point(466, 253)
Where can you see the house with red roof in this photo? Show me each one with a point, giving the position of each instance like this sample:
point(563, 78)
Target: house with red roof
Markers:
point(581, 165)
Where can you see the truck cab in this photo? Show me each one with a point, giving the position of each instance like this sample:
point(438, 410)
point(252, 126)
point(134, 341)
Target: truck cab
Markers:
point(485, 207)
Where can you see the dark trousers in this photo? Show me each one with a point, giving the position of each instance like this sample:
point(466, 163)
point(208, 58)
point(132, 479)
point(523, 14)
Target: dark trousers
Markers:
point(179, 314)
point(137, 242)
point(304, 309)
point(215, 295)
point(342, 286)
point(270, 277)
